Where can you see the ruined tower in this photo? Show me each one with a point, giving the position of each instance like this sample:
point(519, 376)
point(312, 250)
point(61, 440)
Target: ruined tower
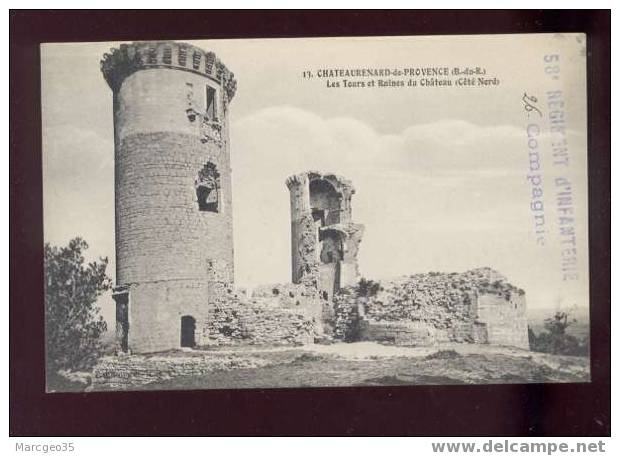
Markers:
point(324, 240)
point(173, 207)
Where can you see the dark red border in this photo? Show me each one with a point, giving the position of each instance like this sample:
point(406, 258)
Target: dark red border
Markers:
point(510, 410)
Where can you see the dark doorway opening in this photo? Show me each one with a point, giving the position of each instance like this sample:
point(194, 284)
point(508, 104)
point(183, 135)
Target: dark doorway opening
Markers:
point(122, 321)
point(188, 330)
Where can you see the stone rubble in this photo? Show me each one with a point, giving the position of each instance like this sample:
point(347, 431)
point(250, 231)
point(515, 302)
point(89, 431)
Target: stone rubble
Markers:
point(433, 308)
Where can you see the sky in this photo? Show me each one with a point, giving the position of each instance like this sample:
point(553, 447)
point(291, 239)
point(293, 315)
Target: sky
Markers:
point(440, 172)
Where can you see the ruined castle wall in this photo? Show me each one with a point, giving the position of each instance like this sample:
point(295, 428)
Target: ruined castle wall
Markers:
point(323, 251)
point(349, 269)
point(397, 315)
point(324, 197)
point(349, 273)
point(272, 315)
point(427, 309)
point(303, 230)
point(505, 319)
point(254, 324)
point(422, 332)
point(286, 295)
point(402, 333)
point(327, 278)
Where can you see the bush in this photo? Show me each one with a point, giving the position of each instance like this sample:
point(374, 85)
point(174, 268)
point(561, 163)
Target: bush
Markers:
point(444, 354)
point(73, 325)
point(367, 288)
point(555, 340)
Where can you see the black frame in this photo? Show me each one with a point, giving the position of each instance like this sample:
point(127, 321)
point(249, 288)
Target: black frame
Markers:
point(482, 410)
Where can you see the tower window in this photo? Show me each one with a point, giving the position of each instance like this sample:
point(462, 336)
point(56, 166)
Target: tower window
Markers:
point(208, 188)
point(211, 111)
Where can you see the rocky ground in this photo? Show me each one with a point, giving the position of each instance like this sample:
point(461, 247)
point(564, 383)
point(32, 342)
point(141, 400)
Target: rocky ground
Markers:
point(373, 364)
point(352, 364)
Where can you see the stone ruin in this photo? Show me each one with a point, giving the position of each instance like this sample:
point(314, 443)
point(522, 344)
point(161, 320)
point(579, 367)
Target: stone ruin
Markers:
point(477, 306)
point(174, 244)
point(328, 301)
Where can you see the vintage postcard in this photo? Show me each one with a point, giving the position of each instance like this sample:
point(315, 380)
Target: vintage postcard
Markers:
point(268, 213)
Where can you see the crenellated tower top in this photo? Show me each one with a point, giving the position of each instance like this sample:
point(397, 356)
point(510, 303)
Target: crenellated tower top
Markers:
point(125, 60)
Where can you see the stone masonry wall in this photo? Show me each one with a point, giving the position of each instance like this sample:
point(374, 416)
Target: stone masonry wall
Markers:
point(324, 240)
point(129, 372)
point(272, 315)
point(477, 306)
point(170, 106)
point(161, 234)
point(155, 311)
point(505, 319)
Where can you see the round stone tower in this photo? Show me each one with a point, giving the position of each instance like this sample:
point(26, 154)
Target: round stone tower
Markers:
point(172, 190)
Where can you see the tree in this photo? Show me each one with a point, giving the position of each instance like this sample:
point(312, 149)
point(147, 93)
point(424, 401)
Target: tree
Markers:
point(73, 325)
point(558, 324)
point(555, 340)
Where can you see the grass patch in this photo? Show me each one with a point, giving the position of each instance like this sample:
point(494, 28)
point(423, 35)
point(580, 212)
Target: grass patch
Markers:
point(444, 354)
point(307, 358)
point(61, 384)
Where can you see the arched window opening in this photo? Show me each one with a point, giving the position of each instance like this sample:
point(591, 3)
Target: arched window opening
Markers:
point(325, 202)
point(208, 188)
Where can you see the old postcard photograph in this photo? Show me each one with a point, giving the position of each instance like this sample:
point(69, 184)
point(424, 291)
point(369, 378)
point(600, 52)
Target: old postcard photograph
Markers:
point(320, 212)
